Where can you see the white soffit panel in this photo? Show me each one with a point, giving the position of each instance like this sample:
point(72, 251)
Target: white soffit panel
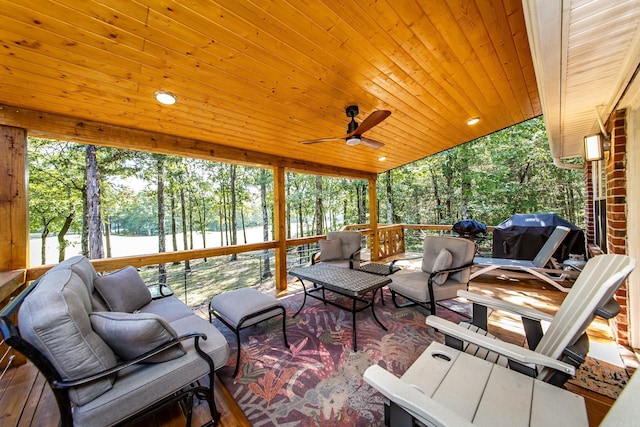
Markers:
point(600, 40)
point(598, 54)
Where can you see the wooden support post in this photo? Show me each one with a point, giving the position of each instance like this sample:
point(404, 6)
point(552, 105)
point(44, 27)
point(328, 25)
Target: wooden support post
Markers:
point(280, 232)
point(373, 217)
point(14, 223)
point(14, 226)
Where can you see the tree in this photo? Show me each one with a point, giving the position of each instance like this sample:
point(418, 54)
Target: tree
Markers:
point(263, 181)
point(93, 216)
point(233, 208)
point(318, 205)
point(162, 270)
point(55, 190)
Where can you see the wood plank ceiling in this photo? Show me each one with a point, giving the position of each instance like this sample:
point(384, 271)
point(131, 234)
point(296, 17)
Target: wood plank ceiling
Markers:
point(266, 75)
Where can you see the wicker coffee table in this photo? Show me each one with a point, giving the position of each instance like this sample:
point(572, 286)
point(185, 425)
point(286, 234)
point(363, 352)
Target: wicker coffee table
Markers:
point(354, 284)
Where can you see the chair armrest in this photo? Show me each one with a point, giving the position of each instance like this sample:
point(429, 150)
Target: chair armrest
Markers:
point(452, 269)
point(403, 259)
point(530, 313)
point(354, 254)
point(314, 256)
point(510, 351)
point(108, 372)
point(354, 259)
point(412, 400)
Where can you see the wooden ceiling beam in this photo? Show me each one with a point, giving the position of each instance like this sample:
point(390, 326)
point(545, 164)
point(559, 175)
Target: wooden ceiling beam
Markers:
point(54, 126)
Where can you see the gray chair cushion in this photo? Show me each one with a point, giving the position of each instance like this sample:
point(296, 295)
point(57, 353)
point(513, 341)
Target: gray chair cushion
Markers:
point(123, 290)
point(462, 251)
point(132, 334)
point(350, 241)
point(343, 263)
point(330, 249)
point(413, 284)
point(54, 318)
point(442, 262)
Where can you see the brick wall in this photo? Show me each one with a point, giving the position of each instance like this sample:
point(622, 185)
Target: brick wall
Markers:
point(617, 211)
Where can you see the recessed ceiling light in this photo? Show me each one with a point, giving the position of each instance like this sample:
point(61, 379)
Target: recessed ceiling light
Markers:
point(164, 97)
point(382, 159)
point(473, 121)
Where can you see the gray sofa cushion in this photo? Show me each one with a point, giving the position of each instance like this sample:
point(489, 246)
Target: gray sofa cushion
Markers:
point(82, 267)
point(169, 308)
point(132, 334)
point(54, 318)
point(123, 290)
point(142, 385)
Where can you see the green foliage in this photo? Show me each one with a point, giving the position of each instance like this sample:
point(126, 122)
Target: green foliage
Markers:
point(489, 179)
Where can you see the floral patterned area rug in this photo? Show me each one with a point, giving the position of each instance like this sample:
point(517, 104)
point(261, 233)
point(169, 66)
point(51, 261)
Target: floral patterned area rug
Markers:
point(319, 381)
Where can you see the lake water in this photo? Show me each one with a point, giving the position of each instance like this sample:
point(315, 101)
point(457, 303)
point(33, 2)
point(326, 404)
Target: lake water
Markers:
point(133, 245)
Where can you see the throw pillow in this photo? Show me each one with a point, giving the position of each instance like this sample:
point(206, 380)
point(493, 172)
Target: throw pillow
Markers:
point(123, 290)
point(132, 334)
point(330, 249)
point(442, 262)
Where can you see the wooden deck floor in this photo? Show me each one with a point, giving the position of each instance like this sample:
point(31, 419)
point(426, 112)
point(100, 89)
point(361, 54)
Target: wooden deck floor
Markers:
point(26, 400)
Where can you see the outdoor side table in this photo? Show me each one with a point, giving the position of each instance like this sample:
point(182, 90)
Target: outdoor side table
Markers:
point(380, 270)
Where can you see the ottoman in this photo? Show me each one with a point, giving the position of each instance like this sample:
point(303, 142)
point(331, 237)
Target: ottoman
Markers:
point(245, 307)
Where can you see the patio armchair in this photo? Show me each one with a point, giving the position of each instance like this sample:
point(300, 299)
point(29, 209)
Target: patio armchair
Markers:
point(406, 404)
point(445, 269)
point(422, 397)
point(340, 248)
point(552, 355)
point(543, 266)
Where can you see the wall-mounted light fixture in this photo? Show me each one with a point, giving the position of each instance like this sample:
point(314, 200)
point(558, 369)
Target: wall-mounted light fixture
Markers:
point(595, 146)
point(164, 97)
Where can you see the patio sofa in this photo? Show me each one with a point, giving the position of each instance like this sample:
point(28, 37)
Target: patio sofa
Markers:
point(108, 350)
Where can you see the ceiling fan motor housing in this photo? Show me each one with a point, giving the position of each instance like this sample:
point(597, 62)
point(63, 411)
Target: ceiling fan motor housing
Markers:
point(352, 111)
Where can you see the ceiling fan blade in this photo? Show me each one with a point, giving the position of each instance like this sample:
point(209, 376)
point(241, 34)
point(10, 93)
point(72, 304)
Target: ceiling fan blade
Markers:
point(315, 141)
point(374, 118)
point(371, 143)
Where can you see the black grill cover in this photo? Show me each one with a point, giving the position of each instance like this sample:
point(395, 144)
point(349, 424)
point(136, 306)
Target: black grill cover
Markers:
point(523, 235)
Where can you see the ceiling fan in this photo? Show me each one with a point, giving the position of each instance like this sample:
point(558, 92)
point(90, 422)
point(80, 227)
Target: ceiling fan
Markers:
point(355, 131)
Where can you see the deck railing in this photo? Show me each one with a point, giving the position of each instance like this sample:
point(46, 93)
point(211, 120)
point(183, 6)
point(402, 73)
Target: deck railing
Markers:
point(195, 276)
point(393, 240)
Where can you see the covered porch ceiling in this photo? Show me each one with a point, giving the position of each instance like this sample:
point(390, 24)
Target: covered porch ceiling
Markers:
point(263, 76)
